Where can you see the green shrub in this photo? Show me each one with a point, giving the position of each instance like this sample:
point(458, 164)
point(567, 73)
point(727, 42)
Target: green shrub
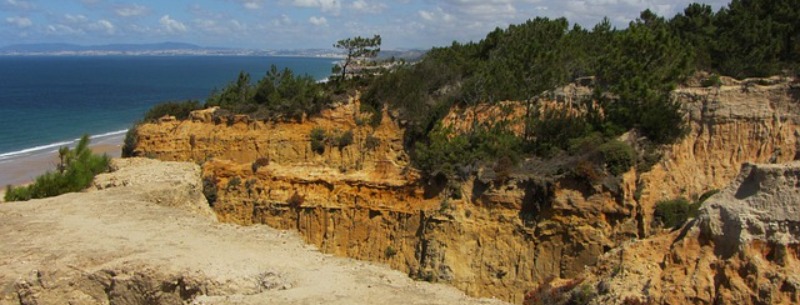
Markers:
point(130, 142)
point(318, 138)
point(554, 129)
point(674, 213)
point(372, 142)
point(707, 195)
point(210, 189)
point(75, 172)
point(180, 110)
point(443, 152)
point(234, 183)
point(389, 252)
point(258, 163)
point(582, 295)
point(586, 143)
point(618, 156)
point(345, 139)
point(712, 81)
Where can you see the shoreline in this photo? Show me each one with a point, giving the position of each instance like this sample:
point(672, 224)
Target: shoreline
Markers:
point(23, 169)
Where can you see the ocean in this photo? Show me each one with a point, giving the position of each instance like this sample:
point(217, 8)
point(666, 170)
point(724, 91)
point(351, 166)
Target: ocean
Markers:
point(49, 102)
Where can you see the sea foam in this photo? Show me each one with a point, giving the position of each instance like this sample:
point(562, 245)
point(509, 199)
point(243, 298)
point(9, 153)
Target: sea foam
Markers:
point(50, 147)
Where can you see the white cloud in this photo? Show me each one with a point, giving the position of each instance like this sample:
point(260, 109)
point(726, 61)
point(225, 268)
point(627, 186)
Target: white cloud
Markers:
point(75, 18)
point(20, 22)
point(228, 28)
point(283, 20)
point(250, 4)
point(318, 21)
point(60, 29)
point(438, 15)
point(327, 6)
point(18, 4)
point(104, 26)
point(131, 10)
point(367, 7)
point(171, 25)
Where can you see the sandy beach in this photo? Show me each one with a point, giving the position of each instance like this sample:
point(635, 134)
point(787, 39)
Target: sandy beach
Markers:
point(24, 169)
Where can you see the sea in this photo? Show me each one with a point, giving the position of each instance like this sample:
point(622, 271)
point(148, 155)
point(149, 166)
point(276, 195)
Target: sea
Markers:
point(50, 102)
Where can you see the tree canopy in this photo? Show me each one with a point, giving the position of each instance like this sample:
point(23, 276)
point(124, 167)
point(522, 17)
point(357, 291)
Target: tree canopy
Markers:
point(358, 47)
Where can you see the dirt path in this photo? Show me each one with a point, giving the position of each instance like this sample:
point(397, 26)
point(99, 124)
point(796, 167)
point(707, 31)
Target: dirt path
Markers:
point(120, 246)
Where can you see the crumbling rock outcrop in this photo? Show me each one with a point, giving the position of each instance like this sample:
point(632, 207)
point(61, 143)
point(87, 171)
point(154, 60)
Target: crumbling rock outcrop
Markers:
point(744, 248)
point(762, 204)
point(178, 185)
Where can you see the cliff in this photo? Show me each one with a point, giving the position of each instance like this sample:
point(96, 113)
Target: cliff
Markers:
point(742, 249)
point(754, 120)
point(144, 236)
point(503, 235)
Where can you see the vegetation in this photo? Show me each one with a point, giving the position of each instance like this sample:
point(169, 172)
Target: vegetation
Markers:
point(582, 295)
point(258, 163)
point(634, 68)
point(129, 144)
point(280, 95)
point(210, 189)
point(357, 47)
point(345, 139)
point(75, 171)
point(674, 213)
point(448, 151)
point(712, 81)
point(318, 138)
point(619, 157)
point(389, 252)
point(372, 142)
point(180, 110)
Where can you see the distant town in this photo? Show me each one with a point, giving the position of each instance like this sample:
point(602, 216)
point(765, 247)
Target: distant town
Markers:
point(174, 49)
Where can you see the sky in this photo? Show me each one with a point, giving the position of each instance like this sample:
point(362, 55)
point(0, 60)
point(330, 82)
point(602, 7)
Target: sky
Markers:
point(298, 24)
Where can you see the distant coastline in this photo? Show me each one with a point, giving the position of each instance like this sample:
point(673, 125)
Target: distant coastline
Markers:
point(180, 49)
point(157, 49)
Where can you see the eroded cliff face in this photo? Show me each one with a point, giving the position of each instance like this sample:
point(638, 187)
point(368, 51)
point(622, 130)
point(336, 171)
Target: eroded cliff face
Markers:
point(502, 236)
point(742, 249)
point(731, 125)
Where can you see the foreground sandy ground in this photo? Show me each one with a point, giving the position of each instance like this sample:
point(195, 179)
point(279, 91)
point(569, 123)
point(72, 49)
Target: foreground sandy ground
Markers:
point(142, 241)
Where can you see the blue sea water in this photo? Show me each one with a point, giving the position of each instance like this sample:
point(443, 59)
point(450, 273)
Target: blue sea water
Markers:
point(47, 102)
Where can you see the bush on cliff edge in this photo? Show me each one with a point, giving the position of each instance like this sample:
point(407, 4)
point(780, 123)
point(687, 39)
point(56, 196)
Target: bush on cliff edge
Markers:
point(75, 171)
point(180, 110)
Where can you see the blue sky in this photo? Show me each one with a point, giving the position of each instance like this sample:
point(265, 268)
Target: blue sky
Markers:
point(288, 24)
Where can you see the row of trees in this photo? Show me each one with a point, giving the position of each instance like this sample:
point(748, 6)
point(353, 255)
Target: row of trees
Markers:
point(280, 95)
